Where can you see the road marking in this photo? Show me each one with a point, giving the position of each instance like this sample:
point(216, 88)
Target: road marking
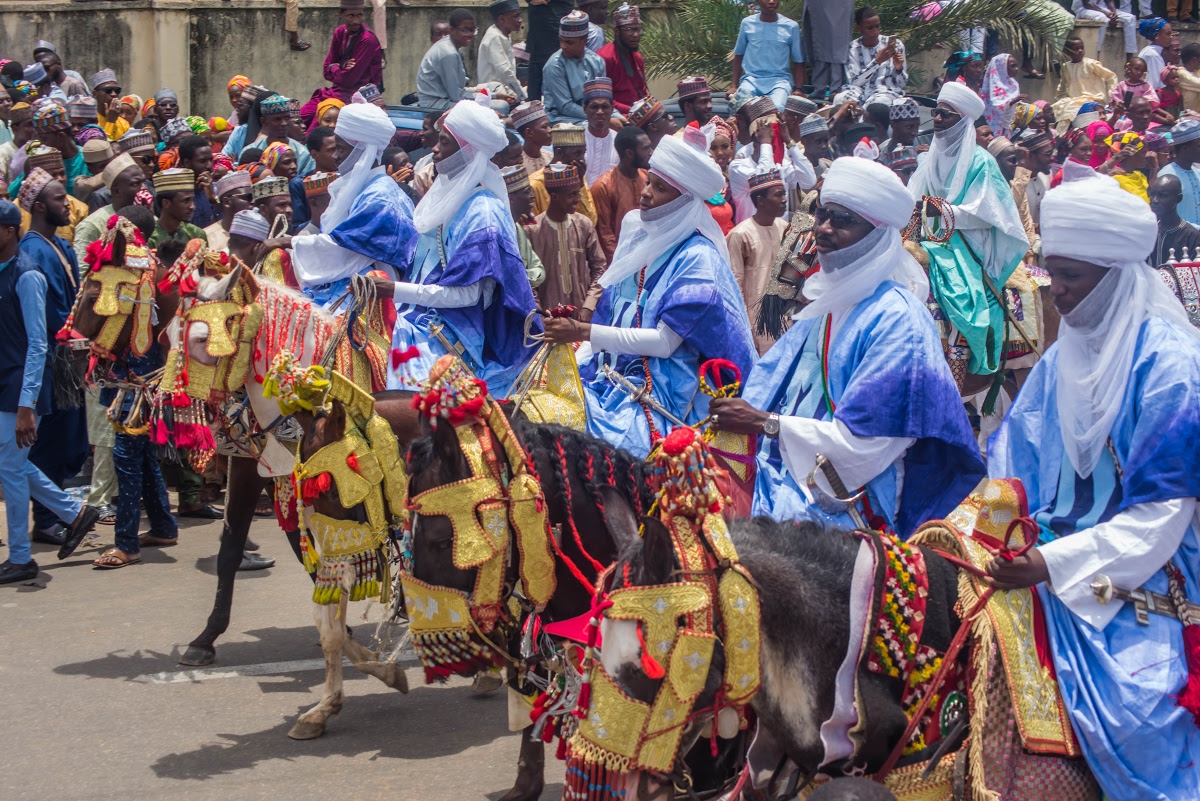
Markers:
point(260, 669)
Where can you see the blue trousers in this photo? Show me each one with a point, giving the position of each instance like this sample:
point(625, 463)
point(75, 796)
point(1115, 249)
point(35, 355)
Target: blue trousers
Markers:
point(22, 481)
point(139, 479)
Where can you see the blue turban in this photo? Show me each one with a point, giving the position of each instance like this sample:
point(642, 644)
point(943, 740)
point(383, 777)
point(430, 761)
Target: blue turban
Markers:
point(1151, 26)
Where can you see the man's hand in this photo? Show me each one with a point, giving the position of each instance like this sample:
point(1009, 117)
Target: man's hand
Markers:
point(350, 64)
point(763, 134)
point(384, 287)
point(565, 330)
point(617, 123)
point(284, 242)
point(204, 181)
point(886, 52)
point(736, 415)
point(931, 210)
point(26, 427)
point(402, 175)
point(1023, 571)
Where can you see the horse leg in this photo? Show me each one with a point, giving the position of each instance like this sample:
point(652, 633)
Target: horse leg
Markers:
point(531, 769)
point(245, 485)
point(367, 661)
point(331, 622)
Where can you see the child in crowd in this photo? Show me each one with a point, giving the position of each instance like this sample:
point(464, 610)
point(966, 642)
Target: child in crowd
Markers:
point(1170, 98)
point(1135, 84)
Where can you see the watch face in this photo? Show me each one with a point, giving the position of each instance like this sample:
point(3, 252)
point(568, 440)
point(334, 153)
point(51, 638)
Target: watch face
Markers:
point(771, 426)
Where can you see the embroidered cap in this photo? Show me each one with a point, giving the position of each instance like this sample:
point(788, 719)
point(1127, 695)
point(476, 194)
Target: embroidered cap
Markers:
point(567, 135)
point(47, 158)
point(761, 106)
point(270, 187)
point(1186, 130)
point(515, 178)
point(1031, 139)
point(370, 92)
point(50, 117)
point(35, 73)
point(318, 183)
point(598, 87)
point(573, 25)
point(692, 86)
point(645, 111)
point(82, 109)
point(904, 108)
point(237, 179)
point(102, 77)
point(812, 124)
point(255, 91)
point(626, 15)
point(250, 224)
point(527, 112)
point(275, 104)
point(765, 179)
point(174, 127)
point(561, 176)
point(799, 105)
point(137, 140)
point(176, 179)
point(31, 188)
point(902, 157)
point(19, 113)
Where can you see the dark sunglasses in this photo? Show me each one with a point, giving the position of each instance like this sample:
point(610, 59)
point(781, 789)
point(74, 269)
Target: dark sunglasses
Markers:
point(147, 159)
point(944, 112)
point(842, 220)
point(112, 90)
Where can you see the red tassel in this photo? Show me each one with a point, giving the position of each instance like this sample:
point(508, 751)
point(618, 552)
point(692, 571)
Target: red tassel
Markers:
point(650, 665)
point(561, 752)
point(160, 432)
point(678, 441)
point(400, 357)
point(1189, 696)
point(471, 408)
point(352, 462)
point(585, 699)
point(180, 399)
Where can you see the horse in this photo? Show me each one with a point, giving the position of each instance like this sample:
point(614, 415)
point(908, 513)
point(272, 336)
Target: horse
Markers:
point(805, 577)
point(574, 470)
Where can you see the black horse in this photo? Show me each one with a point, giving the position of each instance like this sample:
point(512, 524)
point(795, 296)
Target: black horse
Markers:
point(574, 469)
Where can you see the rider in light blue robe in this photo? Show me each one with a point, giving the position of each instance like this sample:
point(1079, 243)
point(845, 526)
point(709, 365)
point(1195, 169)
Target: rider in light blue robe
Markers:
point(691, 290)
point(1125, 517)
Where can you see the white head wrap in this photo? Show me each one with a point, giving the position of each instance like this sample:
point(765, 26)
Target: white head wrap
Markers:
point(1097, 338)
point(962, 99)
point(368, 128)
point(944, 170)
point(852, 274)
point(684, 163)
point(480, 135)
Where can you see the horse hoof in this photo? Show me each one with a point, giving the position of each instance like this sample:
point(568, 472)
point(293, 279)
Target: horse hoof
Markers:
point(306, 730)
point(389, 673)
point(198, 656)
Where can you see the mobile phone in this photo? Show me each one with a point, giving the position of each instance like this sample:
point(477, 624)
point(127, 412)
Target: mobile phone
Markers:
point(1128, 98)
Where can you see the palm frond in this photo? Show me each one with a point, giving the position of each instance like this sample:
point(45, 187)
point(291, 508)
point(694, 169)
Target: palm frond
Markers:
point(696, 37)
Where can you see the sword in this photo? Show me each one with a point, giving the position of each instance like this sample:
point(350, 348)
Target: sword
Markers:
point(639, 394)
point(1144, 601)
point(452, 347)
point(842, 500)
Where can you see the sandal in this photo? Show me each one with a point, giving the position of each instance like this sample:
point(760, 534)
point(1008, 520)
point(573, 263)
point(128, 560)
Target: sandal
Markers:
point(265, 506)
point(149, 540)
point(108, 515)
point(115, 558)
point(300, 45)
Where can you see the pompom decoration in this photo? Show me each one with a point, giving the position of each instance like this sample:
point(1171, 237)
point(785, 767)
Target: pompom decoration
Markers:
point(450, 394)
point(295, 387)
point(687, 475)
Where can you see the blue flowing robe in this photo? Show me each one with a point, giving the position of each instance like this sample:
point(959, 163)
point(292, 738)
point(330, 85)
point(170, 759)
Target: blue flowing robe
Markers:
point(480, 246)
point(692, 290)
point(1118, 682)
point(887, 378)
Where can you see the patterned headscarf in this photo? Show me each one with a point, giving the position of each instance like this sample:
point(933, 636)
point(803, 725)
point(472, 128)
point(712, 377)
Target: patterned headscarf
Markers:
point(87, 134)
point(1024, 115)
point(25, 89)
point(149, 104)
point(954, 65)
point(32, 186)
point(240, 81)
point(273, 153)
point(1119, 140)
point(198, 125)
point(1151, 27)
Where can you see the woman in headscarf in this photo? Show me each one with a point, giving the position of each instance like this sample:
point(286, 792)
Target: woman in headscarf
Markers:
point(327, 113)
point(1001, 93)
point(1098, 131)
point(130, 108)
point(280, 160)
point(859, 377)
point(670, 303)
point(966, 67)
point(237, 84)
point(466, 291)
point(721, 151)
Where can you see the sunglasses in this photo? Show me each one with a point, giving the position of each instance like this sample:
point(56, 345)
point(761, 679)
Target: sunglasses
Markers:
point(147, 159)
point(842, 220)
point(112, 90)
point(944, 112)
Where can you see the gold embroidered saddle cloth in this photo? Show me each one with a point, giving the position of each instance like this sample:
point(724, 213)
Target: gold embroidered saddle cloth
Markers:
point(555, 394)
point(1013, 619)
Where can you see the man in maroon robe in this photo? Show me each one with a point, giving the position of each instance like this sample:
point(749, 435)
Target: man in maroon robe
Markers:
point(622, 61)
point(355, 59)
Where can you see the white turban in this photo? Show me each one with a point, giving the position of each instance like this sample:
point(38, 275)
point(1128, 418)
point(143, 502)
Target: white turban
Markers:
point(480, 135)
point(1096, 339)
point(870, 190)
point(958, 96)
point(850, 275)
point(369, 130)
point(684, 163)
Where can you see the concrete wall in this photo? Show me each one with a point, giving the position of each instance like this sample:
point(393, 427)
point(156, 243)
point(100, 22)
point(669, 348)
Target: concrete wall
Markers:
point(195, 46)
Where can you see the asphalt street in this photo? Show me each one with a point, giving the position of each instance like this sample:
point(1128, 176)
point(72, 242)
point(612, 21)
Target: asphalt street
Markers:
point(95, 705)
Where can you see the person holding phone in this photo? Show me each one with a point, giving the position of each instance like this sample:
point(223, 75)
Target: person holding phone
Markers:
point(876, 71)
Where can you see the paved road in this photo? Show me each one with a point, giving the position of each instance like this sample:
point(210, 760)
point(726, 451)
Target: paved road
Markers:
point(95, 706)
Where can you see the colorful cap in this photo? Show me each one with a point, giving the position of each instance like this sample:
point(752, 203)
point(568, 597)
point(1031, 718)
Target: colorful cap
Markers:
point(318, 183)
point(902, 157)
point(765, 179)
point(573, 25)
point(234, 180)
point(1031, 139)
point(35, 73)
point(32, 186)
point(50, 117)
point(197, 125)
point(813, 123)
point(250, 224)
point(799, 105)
point(692, 86)
point(82, 109)
point(515, 178)
point(25, 89)
point(567, 135)
point(598, 87)
point(47, 158)
point(255, 91)
point(20, 112)
point(522, 115)
point(370, 92)
point(96, 151)
point(645, 111)
point(174, 127)
point(137, 140)
point(270, 187)
point(561, 176)
point(626, 15)
point(275, 104)
point(761, 106)
point(904, 108)
point(177, 179)
point(102, 77)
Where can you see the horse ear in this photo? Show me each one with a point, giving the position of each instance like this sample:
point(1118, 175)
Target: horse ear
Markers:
point(658, 551)
point(335, 424)
point(619, 518)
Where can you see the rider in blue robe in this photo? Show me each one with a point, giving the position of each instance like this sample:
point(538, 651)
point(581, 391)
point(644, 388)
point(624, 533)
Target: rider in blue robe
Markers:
point(1122, 517)
point(860, 377)
point(670, 303)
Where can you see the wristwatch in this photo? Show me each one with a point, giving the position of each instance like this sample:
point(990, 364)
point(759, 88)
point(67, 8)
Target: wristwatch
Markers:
point(771, 425)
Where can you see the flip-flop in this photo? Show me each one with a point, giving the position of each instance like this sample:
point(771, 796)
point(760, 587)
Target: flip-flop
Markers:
point(149, 540)
point(114, 559)
point(300, 46)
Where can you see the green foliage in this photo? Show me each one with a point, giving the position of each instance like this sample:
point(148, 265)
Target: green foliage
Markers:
point(696, 37)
